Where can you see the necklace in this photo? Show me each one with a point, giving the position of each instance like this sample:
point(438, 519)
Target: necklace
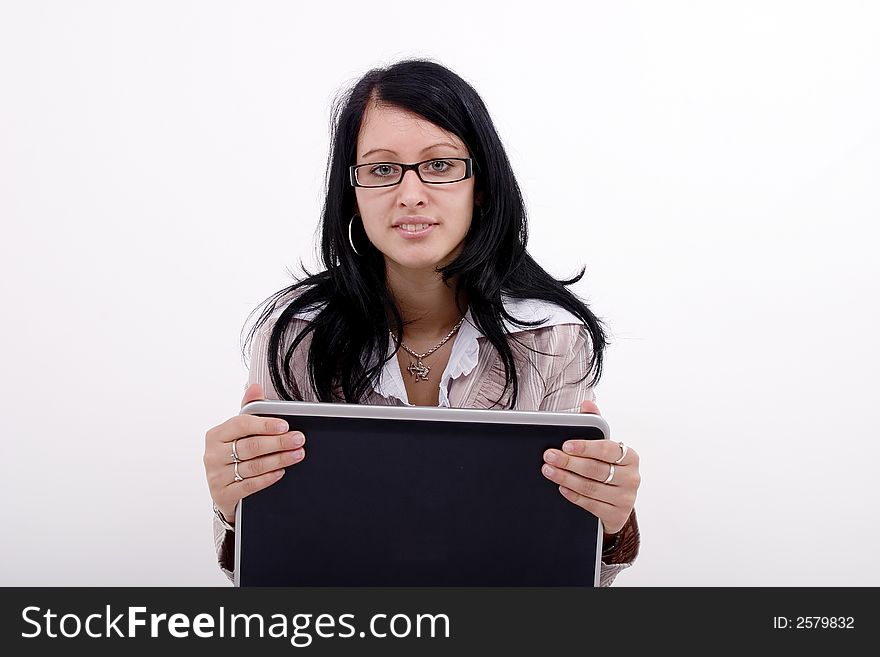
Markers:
point(420, 370)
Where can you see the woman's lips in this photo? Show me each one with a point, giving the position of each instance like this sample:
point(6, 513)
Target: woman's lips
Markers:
point(414, 234)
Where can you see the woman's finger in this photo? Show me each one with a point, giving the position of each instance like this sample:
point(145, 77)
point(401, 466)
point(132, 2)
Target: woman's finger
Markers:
point(250, 447)
point(245, 425)
point(613, 517)
point(609, 451)
point(247, 486)
point(585, 486)
point(591, 468)
point(589, 407)
point(252, 392)
point(258, 466)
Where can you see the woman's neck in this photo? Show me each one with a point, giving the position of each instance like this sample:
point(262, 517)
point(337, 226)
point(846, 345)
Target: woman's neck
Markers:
point(426, 304)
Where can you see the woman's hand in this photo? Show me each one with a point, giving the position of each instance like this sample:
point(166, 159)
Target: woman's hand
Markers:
point(263, 448)
point(581, 469)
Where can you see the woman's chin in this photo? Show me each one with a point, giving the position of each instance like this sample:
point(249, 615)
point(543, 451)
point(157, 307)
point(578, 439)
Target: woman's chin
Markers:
point(417, 262)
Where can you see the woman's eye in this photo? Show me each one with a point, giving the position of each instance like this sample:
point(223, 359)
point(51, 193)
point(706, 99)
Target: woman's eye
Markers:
point(439, 165)
point(381, 170)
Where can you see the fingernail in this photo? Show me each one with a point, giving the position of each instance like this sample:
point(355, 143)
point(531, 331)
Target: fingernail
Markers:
point(279, 474)
point(568, 447)
point(280, 426)
point(551, 457)
point(547, 470)
point(298, 439)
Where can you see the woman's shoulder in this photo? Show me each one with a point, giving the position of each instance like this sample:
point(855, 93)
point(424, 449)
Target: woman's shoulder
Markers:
point(550, 317)
point(292, 331)
point(556, 337)
point(277, 315)
point(306, 308)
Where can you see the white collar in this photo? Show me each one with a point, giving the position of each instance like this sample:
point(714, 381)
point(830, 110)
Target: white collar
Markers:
point(466, 347)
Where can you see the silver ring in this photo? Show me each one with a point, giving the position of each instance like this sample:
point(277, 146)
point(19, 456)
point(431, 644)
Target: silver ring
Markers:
point(610, 474)
point(235, 457)
point(623, 449)
point(238, 477)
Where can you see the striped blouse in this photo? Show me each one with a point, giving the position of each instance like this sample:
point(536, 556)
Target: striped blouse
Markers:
point(549, 373)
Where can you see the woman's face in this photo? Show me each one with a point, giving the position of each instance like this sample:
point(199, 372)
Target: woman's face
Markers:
point(390, 134)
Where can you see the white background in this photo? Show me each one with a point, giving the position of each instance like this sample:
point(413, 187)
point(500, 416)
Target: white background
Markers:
point(714, 165)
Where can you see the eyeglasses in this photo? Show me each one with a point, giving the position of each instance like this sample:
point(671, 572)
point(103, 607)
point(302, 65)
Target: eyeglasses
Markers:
point(439, 171)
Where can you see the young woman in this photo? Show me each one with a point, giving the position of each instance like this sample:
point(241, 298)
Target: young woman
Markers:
point(429, 298)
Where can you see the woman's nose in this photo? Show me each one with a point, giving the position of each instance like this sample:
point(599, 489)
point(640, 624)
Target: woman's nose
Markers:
point(411, 190)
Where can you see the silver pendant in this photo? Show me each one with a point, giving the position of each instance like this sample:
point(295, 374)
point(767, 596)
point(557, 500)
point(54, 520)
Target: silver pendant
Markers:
point(419, 371)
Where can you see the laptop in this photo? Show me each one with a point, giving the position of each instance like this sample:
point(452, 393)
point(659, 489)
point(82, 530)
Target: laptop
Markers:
point(418, 496)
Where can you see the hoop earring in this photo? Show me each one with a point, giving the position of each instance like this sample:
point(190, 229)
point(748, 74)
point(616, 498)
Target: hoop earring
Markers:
point(350, 240)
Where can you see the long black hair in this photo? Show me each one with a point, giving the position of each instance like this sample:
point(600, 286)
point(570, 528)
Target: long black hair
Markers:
point(349, 345)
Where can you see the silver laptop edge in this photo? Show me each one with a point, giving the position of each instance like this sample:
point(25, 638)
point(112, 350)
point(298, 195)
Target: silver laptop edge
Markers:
point(430, 413)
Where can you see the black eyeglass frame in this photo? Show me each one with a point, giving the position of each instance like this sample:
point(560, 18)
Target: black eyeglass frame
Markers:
point(468, 172)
